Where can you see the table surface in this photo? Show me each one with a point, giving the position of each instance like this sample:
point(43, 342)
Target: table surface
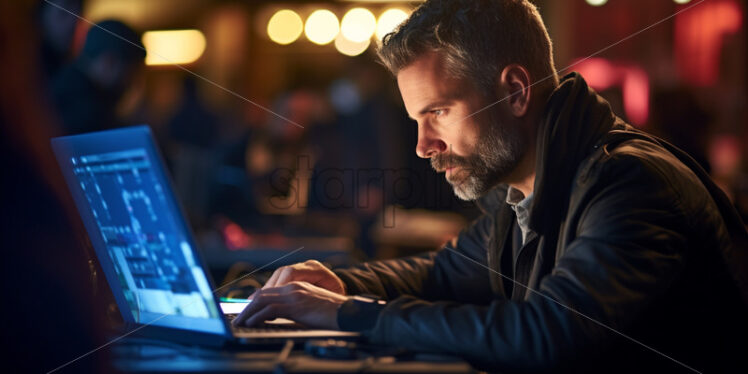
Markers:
point(172, 358)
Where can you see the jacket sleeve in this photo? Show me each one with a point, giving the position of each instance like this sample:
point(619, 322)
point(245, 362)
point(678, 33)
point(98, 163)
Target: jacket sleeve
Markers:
point(458, 274)
point(628, 249)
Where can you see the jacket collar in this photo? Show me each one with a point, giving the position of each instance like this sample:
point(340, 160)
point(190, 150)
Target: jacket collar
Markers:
point(574, 120)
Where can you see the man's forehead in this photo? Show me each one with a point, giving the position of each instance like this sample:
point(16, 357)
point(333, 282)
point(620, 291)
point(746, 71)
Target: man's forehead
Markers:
point(427, 80)
point(425, 66)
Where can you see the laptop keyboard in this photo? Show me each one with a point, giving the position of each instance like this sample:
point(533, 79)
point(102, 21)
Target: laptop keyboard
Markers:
point(264, 328)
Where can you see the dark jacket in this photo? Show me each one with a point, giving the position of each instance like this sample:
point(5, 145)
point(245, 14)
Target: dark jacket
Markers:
point(637, 263)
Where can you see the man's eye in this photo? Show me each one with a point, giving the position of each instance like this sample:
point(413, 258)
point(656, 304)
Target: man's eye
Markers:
point(437, 112)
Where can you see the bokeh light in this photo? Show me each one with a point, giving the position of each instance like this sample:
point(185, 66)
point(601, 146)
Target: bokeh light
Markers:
point(349, 47)
point(388, 20)
point(321, 27)
point(597, 2)
point(170, 47)
point(682, 1)
point(285, 26)
point(358, 25)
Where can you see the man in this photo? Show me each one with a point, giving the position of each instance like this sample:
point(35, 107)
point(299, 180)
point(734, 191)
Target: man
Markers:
point(86, 92)
point(601, 247)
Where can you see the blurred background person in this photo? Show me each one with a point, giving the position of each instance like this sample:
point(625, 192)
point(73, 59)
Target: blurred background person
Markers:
point(87, 91)
point(57, 24)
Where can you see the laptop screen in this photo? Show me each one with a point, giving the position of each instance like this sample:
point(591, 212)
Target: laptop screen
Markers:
point(137, 229)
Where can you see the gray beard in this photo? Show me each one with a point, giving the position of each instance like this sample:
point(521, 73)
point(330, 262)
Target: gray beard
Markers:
point(497, 153)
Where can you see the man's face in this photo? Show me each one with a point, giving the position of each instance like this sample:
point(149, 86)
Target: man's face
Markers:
point(477, 144)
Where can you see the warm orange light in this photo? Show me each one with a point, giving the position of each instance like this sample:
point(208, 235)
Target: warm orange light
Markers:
point(321, 27)
point(170, 47)
point(597, 2)
point(388, 20)
point(351, 48)
point(358, 25)
point(285, 26)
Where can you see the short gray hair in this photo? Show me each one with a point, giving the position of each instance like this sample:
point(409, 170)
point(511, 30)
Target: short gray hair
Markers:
point(477, 39)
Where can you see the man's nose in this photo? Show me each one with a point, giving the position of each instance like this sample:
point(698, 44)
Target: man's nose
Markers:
point(429, 145)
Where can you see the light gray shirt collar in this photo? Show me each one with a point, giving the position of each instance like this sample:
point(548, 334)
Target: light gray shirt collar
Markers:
point(521, 206)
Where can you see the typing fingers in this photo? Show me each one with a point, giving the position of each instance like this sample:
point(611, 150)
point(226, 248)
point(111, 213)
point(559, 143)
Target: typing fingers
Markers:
point(273, 281)
point(268, 312)
point(286, 275)
point(286, 295)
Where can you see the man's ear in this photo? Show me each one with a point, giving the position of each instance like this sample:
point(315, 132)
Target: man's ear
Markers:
point(515, 83)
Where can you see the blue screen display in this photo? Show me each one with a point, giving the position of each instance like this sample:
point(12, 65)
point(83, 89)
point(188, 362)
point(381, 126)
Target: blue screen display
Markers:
point(143, 234)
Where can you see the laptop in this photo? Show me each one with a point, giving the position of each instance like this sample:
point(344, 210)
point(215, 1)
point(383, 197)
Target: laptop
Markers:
point(145, 247)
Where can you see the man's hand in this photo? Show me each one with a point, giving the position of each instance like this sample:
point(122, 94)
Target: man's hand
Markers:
point(302, 302)
point(310, 271)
